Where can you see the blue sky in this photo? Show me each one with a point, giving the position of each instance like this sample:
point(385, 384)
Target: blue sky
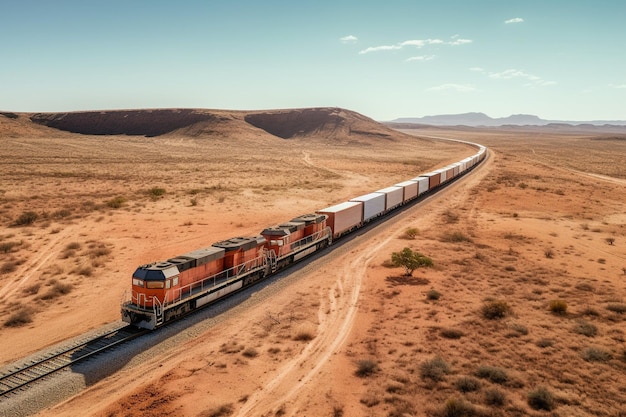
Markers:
point(557, 59)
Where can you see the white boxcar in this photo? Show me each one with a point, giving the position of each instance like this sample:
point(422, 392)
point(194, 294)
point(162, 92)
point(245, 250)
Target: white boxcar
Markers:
point(373, 205)
point(410, 189)
point(442, 172)
point(393, 197)
point(343, 217)
point(422, 184)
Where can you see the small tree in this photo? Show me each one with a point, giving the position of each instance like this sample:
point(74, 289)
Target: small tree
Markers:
point(410, 260)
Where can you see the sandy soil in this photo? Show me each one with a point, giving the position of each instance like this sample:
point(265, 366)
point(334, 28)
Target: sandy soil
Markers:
point(529, 227)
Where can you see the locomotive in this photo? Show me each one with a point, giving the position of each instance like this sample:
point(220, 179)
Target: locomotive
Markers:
point(163, 291)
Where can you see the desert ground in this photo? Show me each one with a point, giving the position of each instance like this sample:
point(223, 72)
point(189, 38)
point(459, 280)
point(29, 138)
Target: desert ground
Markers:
point(538, 230)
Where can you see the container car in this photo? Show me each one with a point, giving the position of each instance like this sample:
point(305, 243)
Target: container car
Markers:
point(344, 217)
point(373, 205)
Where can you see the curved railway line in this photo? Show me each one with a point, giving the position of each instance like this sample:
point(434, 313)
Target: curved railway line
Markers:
point(22, 377)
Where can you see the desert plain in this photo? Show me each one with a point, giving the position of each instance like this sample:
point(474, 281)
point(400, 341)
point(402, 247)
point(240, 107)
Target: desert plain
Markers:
point(539, 230)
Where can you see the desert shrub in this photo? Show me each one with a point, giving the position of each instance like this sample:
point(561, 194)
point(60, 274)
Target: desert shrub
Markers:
point(85, 271)
point(73, 246)
point(494, 396)
point(410, 233)
point(231, 347)
point(610, 240)
point(22, 316)
point(518, 330)
point(8, 267)
point(584, 286)
point(370, 400)
point(250, 353)
point(433, 294)
point(592, 354)
point(56, 290)
point(585, 328)
point(193, 202)
point(27, 218)
point(400, 407)
point(32, 289)
point(6, 247)
point(558, 306)
point(493, 374)
point(451, 333)
point(304, 334)
point(619, 308)
point(365, 368)
point(494, 310)
point(455, 237)
point(549, 253)
point(435, 369)
point(544, 343)
point(61, 214)
point(220, 411)
point(467, 384)
point(541, 399)
point(458, 407)
point(156, 192)
point(450, 217)
point(116, 202)
point(590, 311)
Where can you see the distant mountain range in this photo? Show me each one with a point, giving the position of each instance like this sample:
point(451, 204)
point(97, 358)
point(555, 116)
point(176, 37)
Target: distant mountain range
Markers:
point(481, 119)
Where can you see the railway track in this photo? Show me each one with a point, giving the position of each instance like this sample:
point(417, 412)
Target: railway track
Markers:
point(23, 376)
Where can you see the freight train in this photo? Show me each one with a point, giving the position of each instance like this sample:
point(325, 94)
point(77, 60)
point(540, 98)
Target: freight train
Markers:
point(164, 291)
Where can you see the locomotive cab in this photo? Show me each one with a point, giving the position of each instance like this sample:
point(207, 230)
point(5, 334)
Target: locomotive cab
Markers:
point(152, 283)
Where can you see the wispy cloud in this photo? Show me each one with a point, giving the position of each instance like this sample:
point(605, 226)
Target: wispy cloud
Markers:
point(421, 58)
point(515, 73)
point(514, 20)
point(380, 48)
point(477, 69)
point(417, 43)
point(620, 86)
point(453, 87)
point(349, 39)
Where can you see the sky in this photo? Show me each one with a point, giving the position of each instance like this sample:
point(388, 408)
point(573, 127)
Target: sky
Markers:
point(558, 59)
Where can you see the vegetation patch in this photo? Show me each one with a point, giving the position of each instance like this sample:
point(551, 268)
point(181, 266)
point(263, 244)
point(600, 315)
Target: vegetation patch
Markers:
point(619, 308)
point(493, 374)
point(410, 260)
point(585, 328)
point(495, 310)
point(558, 307)
point(593, 354)
point(455, 237)
point(20, 317)
point(467, 384)
point(451, 333)
point(26, 219)
point(435, 369)
point(365, 368)
point(541, 399)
